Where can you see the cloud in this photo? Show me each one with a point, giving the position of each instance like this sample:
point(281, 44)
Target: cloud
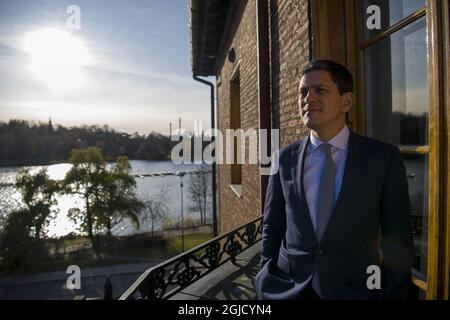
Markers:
point(141, 78)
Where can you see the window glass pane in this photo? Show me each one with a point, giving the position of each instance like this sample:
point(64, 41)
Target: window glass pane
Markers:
point(396, 81)
point(390, 13)
point(417, 175)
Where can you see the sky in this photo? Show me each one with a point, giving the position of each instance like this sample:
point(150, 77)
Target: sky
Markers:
point(127, 66)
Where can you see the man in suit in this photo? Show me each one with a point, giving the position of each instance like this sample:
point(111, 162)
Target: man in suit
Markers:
point(337, 207)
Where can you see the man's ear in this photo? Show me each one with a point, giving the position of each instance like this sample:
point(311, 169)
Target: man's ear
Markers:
point(348, 101)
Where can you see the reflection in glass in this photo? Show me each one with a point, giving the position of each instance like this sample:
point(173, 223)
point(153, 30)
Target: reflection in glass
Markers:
point(396, 81)
point(417, 175)
point(391, 12)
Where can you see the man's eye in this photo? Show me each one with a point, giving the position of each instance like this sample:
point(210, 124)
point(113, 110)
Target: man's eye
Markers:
point(321, 90)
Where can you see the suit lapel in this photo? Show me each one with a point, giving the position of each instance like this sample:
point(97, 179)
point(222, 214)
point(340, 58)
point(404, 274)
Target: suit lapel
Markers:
point(354, 167)
point(298, 161)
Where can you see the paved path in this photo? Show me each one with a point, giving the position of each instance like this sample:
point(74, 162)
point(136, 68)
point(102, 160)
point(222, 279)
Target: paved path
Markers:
point(52, 285)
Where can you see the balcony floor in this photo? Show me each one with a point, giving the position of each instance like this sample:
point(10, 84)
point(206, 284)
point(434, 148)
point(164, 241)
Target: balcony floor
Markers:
point(229, 281)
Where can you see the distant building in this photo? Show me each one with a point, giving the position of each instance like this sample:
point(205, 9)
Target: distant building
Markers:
point(398, 52)
point(50, 126)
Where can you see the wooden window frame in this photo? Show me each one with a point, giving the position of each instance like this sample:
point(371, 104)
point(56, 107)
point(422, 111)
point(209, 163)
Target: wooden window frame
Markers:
point(235, 123)
point(445, 292)
point(343, 42)
point(433, 284)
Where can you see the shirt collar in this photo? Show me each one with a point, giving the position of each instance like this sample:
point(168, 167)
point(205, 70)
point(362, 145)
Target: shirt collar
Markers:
point(339, 141)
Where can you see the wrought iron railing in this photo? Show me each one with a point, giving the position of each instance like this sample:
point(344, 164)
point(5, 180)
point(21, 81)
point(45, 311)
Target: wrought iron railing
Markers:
point(170, 277)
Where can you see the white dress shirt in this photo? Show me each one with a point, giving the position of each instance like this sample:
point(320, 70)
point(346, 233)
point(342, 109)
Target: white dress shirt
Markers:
point(314, 162)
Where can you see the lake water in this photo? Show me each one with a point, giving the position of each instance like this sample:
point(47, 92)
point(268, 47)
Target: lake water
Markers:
point(147, 187)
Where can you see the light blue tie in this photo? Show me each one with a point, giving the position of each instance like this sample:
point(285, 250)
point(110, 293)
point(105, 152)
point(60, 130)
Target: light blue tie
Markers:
point(325, 204)
point(325, 197)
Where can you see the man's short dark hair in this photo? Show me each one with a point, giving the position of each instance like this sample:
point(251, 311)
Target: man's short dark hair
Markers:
point(339, 73)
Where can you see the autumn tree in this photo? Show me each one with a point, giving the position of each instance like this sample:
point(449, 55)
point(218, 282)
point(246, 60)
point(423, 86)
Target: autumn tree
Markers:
point(23, 229)
point(156, 207)
point(86, 178)
point(117, 198)
point(38, 195)
point(199, 192)
point(108, 195)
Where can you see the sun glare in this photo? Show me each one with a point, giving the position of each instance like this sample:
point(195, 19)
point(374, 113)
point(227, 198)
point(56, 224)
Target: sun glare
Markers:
point(57, 57)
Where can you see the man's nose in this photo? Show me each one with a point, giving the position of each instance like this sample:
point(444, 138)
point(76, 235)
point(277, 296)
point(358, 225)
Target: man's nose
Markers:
point(311, 96)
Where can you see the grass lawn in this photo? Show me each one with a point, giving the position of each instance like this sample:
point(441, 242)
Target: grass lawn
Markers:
point(80, 253)
point(174, 245)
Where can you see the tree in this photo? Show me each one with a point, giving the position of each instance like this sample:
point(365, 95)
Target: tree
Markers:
point(25, 143)
point(23, 229)
point(38, 194)
point(198, 192)
point(109, 195)
point(86, 178)
point(118, 199)
point(16, 243)
point(157, 206)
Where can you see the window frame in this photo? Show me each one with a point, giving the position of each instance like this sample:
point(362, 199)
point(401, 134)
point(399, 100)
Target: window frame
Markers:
point(434, 149)
point(342, 42)
point(446, 97)
point(235, 123)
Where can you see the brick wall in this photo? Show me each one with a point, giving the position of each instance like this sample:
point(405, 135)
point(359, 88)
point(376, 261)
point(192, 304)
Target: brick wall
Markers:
point(289, 53)
point(234, 210)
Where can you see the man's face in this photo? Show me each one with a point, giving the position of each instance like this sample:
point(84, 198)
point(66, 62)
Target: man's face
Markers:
point(321, 104)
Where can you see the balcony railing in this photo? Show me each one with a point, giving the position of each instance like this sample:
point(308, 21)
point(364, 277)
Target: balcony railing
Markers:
point(170, 277)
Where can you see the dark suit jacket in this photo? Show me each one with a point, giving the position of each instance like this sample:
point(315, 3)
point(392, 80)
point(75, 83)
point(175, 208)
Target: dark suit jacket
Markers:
point(370, 225)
